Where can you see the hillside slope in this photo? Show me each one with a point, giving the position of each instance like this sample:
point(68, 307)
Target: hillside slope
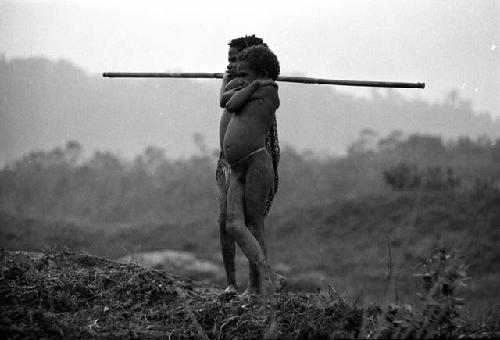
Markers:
point(68, 295)
point(345, 243)
point(81, 296)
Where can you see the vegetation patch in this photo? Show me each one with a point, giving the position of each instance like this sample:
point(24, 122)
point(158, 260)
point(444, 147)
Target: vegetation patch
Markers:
point(65, 294)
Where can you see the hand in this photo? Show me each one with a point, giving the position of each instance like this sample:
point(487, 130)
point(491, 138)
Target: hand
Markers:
point(236, 83)
point(227, 77)
point(230, 72)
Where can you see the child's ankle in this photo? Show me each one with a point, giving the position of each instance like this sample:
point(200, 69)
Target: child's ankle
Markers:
point(231, 289)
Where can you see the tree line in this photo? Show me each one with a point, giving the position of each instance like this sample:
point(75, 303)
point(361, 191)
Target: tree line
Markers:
point(151, 187)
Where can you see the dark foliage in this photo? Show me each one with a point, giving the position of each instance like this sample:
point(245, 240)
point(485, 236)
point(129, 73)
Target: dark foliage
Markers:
point(107, 188)
point(408, 177)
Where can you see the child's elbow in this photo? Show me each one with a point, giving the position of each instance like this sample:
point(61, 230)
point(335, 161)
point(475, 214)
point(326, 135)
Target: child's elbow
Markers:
point(230, 108)
point(224, 99)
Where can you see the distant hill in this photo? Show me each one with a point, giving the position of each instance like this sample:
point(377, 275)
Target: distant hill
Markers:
point(46, 103)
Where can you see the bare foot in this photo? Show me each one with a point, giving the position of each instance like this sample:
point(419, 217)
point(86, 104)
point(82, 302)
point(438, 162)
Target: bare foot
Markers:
point(228, 293)
point(250, 295)
point(231, 289)
point(281, 282)
point(278, 282)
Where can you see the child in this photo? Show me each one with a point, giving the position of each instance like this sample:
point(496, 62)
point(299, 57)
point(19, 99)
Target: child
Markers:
point(252, 100)
point(223, 169)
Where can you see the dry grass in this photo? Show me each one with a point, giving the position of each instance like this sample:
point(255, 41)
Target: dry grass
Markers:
point(79, 296)
point(70, 295)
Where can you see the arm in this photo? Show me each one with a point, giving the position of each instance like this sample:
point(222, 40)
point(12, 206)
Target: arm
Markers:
point(239, 99)
point(232, 86)
point(225, 80)
point(225, 96)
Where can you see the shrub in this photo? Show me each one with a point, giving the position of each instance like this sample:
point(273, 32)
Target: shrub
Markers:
point(408, 177)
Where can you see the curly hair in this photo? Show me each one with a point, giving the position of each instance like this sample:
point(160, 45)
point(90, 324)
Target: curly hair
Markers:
point(261, 60)
point(248, 40)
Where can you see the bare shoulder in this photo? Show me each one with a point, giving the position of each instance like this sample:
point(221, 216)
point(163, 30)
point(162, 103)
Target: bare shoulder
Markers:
point(269, 89)
point(267, 93)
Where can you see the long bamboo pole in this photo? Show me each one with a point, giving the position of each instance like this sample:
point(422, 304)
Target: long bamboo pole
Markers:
point(302, 80)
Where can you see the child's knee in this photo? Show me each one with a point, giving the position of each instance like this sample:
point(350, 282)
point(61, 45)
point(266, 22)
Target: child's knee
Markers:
point(253, 219)
point(233, 224)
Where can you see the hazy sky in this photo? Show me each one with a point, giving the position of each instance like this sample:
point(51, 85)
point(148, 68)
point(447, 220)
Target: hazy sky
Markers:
point(447, 44)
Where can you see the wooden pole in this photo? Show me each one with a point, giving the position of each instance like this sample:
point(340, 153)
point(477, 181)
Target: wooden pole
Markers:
point(302, 80)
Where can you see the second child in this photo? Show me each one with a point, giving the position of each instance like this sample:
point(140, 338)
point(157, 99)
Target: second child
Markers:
point(252, 99)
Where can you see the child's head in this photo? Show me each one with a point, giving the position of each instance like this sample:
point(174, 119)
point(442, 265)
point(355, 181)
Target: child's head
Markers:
point(236, 46)
point(260, 60)
point(248, 40)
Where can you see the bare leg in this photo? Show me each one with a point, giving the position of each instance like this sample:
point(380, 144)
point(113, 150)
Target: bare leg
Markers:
point(235, 226)
point(227, 243)
point(258, 184)
point(254, 276)
point(252, 197)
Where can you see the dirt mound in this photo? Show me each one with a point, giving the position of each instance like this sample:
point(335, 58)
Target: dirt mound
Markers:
point(68, 295)
point(80, 296)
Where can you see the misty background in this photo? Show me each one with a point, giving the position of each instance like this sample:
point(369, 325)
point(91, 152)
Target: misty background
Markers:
point(124, 167)
point(47, 103)
point(452, 46)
